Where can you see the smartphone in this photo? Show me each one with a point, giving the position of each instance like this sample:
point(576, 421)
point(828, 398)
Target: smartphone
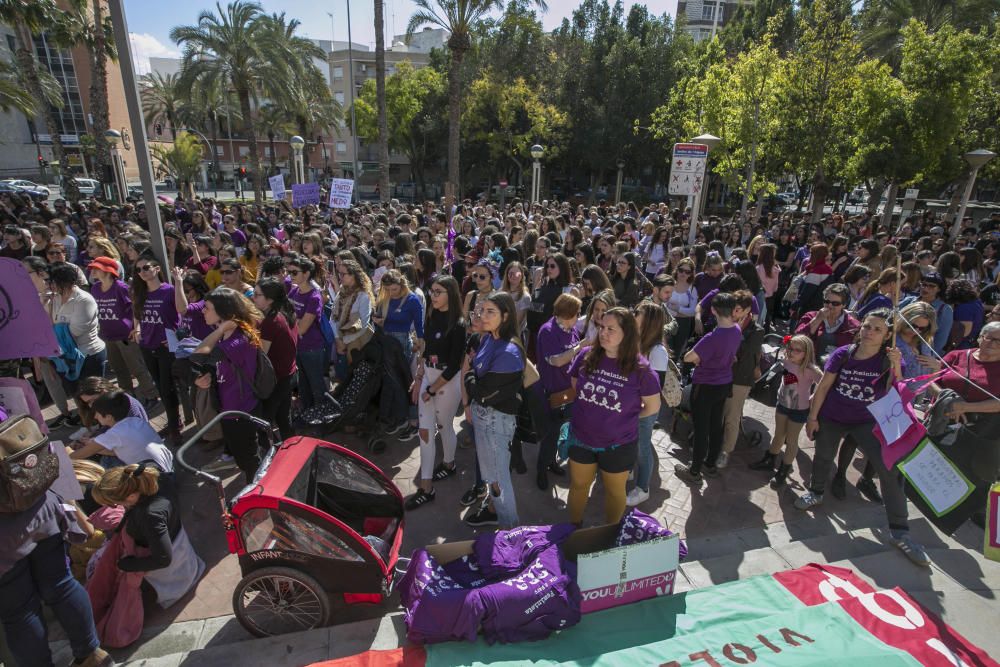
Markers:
point(329, 266)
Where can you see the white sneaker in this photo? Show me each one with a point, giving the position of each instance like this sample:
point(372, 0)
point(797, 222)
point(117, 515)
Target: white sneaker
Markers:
point(912, 550)
point(636, 497)
point(722, 461)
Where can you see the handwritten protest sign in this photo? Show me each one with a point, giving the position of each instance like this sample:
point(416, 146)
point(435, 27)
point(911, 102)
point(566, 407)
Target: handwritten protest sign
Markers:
point(277, 187)
point(341, 192)
point(304, 194)
point(938, 481)
point(25, 327)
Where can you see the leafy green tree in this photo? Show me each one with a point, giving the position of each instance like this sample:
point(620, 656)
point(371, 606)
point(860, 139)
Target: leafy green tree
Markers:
point(273, 122)
point(163, 100)
point(415, 100)
point(461, 18)
point(181, 161)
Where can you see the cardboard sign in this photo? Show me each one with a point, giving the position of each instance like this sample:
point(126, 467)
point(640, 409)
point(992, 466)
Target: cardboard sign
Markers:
point(938, 481)
point(341, 192)
point(25, 328)
point(277, 187)
point(623, 575)
point(304, 194)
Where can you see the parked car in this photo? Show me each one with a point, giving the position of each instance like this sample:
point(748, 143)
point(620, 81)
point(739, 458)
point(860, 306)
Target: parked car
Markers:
point(33, 193)
point(88, 187)
point(788, 198)
point(27, 185)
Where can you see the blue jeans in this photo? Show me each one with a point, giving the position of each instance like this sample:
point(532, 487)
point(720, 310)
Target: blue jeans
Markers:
point(312, 376)
point(43, 576)
point(494, 431)
point(644, 461)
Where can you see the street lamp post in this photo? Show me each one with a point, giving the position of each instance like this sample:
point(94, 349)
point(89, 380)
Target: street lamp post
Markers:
point(711, 141)
point(113, 136)
point(297, 143)
point(976, 159)
point(536, 172)
point(354, 120)
point(618, 186)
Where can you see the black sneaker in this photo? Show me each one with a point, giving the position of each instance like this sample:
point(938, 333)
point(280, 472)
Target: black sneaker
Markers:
point(869, 490)
point(408, 433)
point(556, 470)
point(710, 471)
point(393, 430)
point(419, 498)
point(73, 420)
point(444, 471)
point(477, 492)
point(484, 517)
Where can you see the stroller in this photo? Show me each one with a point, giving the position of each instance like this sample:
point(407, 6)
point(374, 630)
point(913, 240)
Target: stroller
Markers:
point(377, 384)
point(318, 522)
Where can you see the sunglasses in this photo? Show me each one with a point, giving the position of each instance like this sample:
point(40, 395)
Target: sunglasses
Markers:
point(481, 276)
point(145, 267)
point(227, 272)
point(551, 266)
point(828, 302)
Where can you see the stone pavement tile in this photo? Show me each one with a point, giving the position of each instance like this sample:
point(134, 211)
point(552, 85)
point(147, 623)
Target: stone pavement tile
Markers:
point(719, 570)
point(968, 614)
point(713, 546)
point(970, 569)
point(157, 641)
point(172, 660)
point(291, 650)
point(221, 630)
point(351, 638)
point(828, 548)
point(391, 633)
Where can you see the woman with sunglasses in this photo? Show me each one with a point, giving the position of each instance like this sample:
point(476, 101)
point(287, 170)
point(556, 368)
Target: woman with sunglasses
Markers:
point(915, 326)
point(155, 311)
point(831, 326)
point(351, 313)
point(60, 234)
point(554, 280)
point(481, 283)
point(854, 377)
point(682, 306)
point(437, 386)
point(231, 273)
point(311, 356)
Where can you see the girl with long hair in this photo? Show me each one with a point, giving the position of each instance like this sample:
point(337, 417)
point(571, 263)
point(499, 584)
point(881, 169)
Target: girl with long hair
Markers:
point(615, 388)
point(233, 349)
point(878, 294)
point(650, 320)
point(799, 374)
point(351, 315)
point(838, 410)
point(279, 339)
point(515, 284)
point(769, 274)
point(155, 312)
point(399, 312)
point(437, 386)
point(682, 306)
point(312, 355)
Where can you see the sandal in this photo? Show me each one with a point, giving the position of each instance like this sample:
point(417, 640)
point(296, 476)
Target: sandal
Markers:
point(443, 472)
point(419, 498)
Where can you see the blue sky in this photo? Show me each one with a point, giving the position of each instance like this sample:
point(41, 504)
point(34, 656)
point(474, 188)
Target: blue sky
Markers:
point(150, 22)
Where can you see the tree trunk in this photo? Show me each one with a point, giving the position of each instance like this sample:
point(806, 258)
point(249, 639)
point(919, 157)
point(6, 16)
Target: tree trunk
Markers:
point(751, 167)
point(244, 97)
point(383, 122)
point(99, 90)
point(215, 153)
point(25, 57)
point(890, 204)
point(818, 197)
point(274, 158)
point(874, 195)
point(455, 116)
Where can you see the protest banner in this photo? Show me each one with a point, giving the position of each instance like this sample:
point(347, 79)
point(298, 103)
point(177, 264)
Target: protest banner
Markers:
point(304, 194)
point(25, 328)
point(277, 184)
point(341, 192)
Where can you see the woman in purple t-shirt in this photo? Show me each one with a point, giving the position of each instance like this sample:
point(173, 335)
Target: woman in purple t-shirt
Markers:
point(856, 376)
point(615, 386)
point(233, 347)
point(154, 311)
point(312, 356)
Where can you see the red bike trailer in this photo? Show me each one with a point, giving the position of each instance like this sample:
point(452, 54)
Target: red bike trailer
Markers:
point(317, 521)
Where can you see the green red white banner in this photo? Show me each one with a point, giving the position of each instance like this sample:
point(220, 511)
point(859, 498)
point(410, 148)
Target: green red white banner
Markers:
point(815, 615)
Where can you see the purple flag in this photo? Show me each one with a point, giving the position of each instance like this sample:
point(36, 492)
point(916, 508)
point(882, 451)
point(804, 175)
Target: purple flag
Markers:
point(25, 327)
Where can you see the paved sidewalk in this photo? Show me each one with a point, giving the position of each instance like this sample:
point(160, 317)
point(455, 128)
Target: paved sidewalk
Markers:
point(736, 526)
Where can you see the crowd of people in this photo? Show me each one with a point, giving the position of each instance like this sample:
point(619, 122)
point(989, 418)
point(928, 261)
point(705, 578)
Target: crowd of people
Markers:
point(571, 323)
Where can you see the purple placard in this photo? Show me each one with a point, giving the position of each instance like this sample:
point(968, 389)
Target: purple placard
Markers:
point(25, 327)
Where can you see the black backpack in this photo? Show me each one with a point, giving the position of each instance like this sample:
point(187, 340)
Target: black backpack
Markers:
point(27, 466)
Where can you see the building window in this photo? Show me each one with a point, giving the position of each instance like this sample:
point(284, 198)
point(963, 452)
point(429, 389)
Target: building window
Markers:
point(708, 12)
point(244, 151)
point(267, 151)
point(341, 146)
point(339, 96)
point(219, 151)
point(338, 72)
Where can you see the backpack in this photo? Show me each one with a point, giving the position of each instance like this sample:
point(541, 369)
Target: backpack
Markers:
point(264, 379)
point(27, 466)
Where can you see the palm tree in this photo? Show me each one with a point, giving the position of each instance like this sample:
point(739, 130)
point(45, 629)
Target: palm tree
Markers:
point(383, 122)
point(14, 95)
point(27, 20)
point(461, 18)
point(273, 121)
point(210, 103)
point(163, 100)
point(244, 48)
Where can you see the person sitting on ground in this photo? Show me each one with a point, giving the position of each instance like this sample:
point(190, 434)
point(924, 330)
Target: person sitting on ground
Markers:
point(129, 439)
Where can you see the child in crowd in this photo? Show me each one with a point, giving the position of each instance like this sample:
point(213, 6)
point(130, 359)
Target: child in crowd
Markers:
point(128, 439)
point(800, 376)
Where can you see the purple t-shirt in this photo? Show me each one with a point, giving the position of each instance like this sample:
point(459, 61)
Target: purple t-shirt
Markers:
point(114, 311)
point(553, 340)
point(496, 355)
point(194, 319)
point(716, 352)
point(239, 238)
point(235, 390)
point(607, 407)
point(859, 383)
point(310, 303)
point(159, 313)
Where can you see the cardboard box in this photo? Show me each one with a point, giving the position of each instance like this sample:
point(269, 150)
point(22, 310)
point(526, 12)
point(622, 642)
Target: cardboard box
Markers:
point(608, 576)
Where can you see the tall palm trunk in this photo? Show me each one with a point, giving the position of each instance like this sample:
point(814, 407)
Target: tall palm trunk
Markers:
point(25, 57)
point(244, 97)
point(274, 158)
point(214, 119)
point(99, 90)
point(455, 116)
point(383, 123)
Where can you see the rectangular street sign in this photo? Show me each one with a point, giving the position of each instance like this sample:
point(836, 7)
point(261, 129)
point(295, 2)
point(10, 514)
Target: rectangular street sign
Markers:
point(687, 169)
